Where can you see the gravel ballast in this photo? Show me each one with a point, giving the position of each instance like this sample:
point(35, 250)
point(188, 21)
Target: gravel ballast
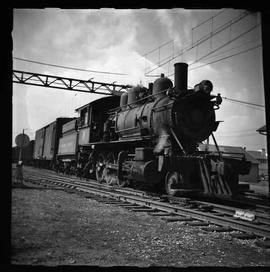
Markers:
point(53, 227)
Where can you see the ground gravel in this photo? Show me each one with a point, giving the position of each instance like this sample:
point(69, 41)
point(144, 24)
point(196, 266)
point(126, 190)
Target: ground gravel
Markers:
point(54, 227)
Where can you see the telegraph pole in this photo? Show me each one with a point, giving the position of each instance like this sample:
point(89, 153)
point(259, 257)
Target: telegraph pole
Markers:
point(22, 141)
point(266, 56)
point(20, 153)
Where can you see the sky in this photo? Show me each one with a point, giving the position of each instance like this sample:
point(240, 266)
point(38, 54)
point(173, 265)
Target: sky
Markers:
point(132, 42)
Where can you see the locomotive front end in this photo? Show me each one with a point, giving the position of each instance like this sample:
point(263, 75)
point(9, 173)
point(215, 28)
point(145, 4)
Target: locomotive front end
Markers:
point(185, 114)
point(194, 117)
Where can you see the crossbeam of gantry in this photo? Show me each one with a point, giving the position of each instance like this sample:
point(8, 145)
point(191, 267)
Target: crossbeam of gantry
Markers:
point(65, 83)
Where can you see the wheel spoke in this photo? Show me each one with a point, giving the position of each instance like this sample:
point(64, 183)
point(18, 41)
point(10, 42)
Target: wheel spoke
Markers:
point(109, 174)
point(173, 179)
point(100, 167)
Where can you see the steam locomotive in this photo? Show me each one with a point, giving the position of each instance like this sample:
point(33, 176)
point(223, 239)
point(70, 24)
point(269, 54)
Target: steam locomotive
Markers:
point(150, 136)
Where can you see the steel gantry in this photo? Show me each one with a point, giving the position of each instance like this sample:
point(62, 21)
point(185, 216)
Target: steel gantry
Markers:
point(65, 83)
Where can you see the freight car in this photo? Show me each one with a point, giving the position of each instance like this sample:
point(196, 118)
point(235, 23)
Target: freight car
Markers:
point(46, 143)
point(150, 136)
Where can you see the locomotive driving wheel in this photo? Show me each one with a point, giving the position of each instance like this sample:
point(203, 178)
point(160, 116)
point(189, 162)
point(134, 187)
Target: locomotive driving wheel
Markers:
point(172, 181)
point(100, 166)
point(110, 174)
point(121, 183)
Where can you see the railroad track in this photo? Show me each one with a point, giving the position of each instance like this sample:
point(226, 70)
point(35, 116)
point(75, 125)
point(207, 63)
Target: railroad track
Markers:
point(253, 223)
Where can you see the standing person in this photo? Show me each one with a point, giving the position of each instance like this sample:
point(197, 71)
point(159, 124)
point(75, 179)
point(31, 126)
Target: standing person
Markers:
point(79, 168)
point(19, 172)
point(57, 166)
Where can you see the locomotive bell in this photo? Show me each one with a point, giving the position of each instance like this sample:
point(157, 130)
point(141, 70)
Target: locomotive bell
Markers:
point(161, 84)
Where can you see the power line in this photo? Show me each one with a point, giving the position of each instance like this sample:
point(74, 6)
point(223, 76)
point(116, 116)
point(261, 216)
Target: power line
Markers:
point(157, 48)
point(225, 51)
point(248, 106)
point(100, 88)
point(240, 101)
point(232, 40)
point(237, 136)
point(211, 18)
point(68, 67)
point(237, 132)
point(229, 56)
point(172, 41)
point(207, 37)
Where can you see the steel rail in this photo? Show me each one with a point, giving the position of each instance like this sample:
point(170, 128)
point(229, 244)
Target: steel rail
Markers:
point(261, 213)
point(171, 198)
point(175, 209)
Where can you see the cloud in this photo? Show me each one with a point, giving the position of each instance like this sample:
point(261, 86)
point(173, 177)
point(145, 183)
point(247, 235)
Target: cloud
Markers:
point(116, 41)
point(178, 25)
point(19, 111)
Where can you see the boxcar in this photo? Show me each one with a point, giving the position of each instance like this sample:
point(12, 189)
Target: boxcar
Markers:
point(47, 141)
point(68, 142)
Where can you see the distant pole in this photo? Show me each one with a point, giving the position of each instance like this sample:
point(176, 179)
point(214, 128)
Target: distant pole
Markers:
point(207, 145)
point(266, 56)
point(20, 154)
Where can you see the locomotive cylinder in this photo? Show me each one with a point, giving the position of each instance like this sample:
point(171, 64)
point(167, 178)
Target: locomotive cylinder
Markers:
point(180, 77)
point(145, 172)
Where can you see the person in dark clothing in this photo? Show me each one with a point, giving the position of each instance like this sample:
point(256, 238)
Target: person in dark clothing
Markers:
point(19, 172)
point(57, 166)
point(79, 168)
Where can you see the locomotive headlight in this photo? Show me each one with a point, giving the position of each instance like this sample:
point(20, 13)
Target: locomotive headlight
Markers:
point(205, 86)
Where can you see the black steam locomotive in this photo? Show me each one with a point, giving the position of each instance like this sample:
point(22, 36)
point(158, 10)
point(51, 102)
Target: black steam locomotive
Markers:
point(150, 136)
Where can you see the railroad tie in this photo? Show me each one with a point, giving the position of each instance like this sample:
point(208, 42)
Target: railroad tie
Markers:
point(218, 229)
point(124, 204)
point(129, 207)
point(243, 236)
point(263, 244)
point(197, 223)
point(160, 213)
point(219, 214)
point(176, 218)
point(111, 202)
point(141, 210)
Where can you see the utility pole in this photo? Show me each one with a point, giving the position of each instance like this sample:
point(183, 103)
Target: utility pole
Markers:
point(20, 154)
point(22, 141)
point(266, 56)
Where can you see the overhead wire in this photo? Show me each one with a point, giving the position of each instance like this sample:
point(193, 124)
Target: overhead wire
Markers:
point(172, 41)
point(240, 135)
point(229, 56)
point(68, 67)
point(230, 49)
point(253, 105)
point(243, 102)
point(197, 67)
point(203, 39)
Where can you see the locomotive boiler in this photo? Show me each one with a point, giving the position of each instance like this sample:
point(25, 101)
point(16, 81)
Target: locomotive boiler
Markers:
point(153, 137)
point(188, 116)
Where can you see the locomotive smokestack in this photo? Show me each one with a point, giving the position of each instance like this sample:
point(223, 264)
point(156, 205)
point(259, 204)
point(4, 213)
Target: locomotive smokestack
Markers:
point(180, 77)
point(150, 88)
